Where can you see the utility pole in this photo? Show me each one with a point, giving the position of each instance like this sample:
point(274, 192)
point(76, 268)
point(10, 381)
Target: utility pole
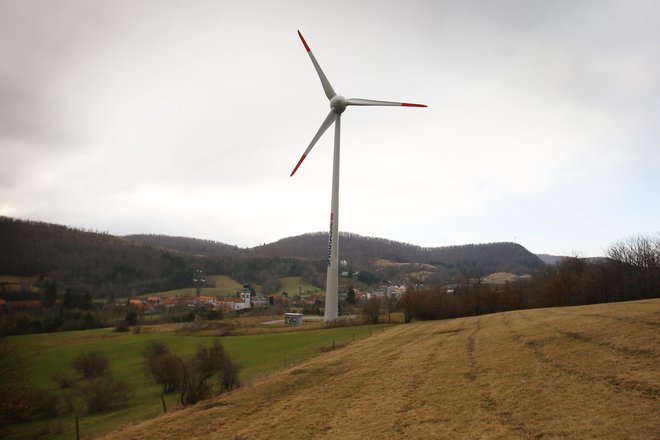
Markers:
point(198, 280)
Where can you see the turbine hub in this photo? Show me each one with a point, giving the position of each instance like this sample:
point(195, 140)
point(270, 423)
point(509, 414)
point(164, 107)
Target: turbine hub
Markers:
point(338, 104)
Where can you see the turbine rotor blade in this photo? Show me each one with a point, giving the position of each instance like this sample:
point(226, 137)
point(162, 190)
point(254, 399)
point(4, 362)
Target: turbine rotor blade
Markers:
point(359, 101)
point(332, 117)
point(329, 91)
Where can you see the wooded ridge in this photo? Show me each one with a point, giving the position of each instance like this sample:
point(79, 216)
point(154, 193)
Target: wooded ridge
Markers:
point(102, 263)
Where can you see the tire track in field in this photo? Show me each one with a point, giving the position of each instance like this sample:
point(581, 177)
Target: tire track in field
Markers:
point(487, 401)
point(627, 320)
point(472, 360)
point(418, 381)
point(635, 353)
point(415, 379)
point(643, 390)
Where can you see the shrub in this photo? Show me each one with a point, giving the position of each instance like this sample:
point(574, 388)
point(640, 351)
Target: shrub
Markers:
point(41, 404)
point(30, 404)
point(122, 326)
point(199, 370)
point(195, 385)
point(105, 393)
point(154, 349)
point(64, 380)
point(167, 370)
point(371, 310)
point(210, 360)
point(91, 364)
point(163, 366)
point(13, 408)
point(229, 376)
point(131, 318)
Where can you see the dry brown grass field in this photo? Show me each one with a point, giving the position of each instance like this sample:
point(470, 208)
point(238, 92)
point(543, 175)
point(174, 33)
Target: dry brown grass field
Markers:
point(588, 372)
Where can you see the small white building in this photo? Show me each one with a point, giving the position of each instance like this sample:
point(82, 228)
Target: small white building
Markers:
point(240, 303)
point(293, 319)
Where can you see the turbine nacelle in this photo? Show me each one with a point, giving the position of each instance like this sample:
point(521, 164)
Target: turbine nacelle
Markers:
point(338, 104)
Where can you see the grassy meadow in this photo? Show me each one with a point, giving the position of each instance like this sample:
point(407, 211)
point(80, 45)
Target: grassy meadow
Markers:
point(226, 286)
point(222, 286)
point(264, 351)
point(575, 372)
point(291, 285)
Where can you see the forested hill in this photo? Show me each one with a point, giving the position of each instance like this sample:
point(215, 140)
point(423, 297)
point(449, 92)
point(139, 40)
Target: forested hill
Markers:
point(187, 245)
point(475, 259)
point(107, 265)
point(479, 259)
point(85, 260)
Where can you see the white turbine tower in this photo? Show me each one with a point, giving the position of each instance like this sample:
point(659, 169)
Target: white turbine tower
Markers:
point(337, 106)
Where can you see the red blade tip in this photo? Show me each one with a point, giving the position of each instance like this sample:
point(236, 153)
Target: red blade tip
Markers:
point(297, 165)
point(407, 104)
point(304, 42)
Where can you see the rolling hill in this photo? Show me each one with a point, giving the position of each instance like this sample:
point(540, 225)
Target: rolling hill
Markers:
point(108, 266)
point(358, 250)
point(576, 372)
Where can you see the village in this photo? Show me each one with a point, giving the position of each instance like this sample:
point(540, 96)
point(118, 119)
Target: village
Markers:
point(247, 299)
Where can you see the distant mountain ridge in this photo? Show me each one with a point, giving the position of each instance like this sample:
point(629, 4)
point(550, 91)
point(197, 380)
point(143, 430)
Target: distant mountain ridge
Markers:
point(360, 250)
point(186, 245)
point(108, 265)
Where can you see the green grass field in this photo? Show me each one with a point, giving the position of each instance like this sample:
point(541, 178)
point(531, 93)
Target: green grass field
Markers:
point(292, 284)
point(225, 286)
point(259, 354)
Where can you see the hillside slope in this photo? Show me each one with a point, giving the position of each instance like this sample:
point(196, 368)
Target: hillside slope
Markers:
point(109, 266)
point(186, 245)
point(579, 372)
point(472, 259)
point(477, 259)
point(86, 260)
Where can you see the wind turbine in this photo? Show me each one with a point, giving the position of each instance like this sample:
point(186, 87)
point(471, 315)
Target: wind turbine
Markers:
point(337, 106)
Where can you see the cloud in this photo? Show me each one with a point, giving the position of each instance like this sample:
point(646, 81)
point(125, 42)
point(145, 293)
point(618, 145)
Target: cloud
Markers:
point(187, 118)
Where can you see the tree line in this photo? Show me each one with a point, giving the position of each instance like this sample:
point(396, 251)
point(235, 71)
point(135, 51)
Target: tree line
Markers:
point(631, 272)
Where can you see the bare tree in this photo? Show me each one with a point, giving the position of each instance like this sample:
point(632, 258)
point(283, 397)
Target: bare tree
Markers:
point(91, 364)
point(408, 303)
point(105, 393)
point(640, 251)
point(200, 369)
point(371, 310)
point(163, 366)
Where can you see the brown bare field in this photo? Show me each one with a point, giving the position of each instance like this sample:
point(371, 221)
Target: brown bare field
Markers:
point(576, 372)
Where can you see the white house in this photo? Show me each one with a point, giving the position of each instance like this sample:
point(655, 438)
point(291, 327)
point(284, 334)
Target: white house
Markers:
point(241, 303)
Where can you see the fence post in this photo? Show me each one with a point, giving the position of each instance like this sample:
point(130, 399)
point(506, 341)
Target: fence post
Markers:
point(77, 429)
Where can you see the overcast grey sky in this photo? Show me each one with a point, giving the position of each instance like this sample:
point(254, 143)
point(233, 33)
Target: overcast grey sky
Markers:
point(187, 117)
